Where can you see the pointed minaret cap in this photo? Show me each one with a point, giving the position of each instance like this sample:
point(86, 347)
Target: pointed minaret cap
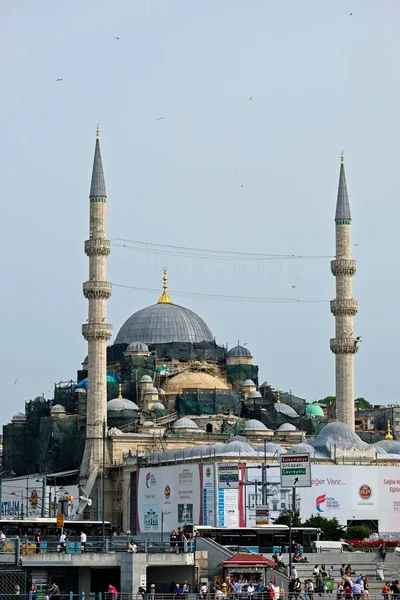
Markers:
point(164, 298)
point(342, 204)
point(98, 186)
point(388, 435)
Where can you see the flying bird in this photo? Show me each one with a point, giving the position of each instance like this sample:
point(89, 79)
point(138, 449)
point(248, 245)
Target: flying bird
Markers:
point(15, 381)
point(293, 287)
point(116, 38)
point(159, 118)
point(351, 14)
point(59, 79)
point(251, 98)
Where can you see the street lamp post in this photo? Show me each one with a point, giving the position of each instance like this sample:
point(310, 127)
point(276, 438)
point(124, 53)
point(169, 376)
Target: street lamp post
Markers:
point(163, 512)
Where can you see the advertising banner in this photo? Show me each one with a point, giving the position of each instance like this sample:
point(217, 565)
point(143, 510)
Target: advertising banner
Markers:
point(208, 495)
point(172, 494)
point(228, 476)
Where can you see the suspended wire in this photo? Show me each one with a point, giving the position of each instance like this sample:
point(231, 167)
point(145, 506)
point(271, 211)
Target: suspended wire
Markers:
point(221, 296)
point(204, 253)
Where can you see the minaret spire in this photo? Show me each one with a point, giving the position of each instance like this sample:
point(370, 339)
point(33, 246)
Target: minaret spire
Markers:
point(344, 308)
point(164, 298)
point(96, 331)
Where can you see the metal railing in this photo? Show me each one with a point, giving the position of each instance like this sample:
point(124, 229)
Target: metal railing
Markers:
point(283, 595)
point(24, 546)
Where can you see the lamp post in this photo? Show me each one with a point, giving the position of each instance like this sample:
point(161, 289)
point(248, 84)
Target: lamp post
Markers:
point(163, 512)
point(2, 474)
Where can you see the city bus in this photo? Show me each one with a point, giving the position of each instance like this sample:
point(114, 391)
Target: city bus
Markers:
point(47, 527)
point(266, 538)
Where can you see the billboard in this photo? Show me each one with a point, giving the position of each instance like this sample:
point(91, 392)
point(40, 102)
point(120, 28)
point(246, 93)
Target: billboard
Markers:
point(174, 495)
point(354, 493)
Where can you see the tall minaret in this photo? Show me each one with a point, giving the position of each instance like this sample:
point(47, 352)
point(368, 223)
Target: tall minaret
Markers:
point(96, 331)
point(344, 308)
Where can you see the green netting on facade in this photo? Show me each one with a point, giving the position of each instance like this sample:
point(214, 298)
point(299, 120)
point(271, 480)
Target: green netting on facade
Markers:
point(161, 413)
point(184, 351)
point(208, 402)
point(242, 372)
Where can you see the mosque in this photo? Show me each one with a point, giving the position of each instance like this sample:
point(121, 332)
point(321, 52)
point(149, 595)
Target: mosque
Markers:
point(165, 393)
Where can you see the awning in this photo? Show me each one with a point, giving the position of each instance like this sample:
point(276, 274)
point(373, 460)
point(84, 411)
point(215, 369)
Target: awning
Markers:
point(248, 560)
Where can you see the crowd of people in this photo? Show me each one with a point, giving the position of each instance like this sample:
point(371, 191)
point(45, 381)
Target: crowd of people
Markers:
point(180, 540)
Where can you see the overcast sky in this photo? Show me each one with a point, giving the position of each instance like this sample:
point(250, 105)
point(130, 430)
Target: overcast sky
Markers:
point(220, 171)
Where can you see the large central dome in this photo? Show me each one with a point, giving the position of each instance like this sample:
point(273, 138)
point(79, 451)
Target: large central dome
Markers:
point(162, 323)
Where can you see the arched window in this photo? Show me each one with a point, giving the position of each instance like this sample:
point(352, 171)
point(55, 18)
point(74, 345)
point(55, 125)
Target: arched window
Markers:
point(209, 428)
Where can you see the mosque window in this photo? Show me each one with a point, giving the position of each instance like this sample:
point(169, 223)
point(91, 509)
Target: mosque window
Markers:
point(209, 428)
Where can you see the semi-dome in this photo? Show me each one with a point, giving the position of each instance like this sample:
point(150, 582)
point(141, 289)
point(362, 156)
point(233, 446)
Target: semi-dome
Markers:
point(162, 324)
point(146, 379)
point(189, 380)
point(137, 347)
point(254, 394)
point(287, 427)
point(158, 406)
point(19, 417)
point(238, 351)
point(337, 434)
point(285, 409)
point(314, 410)
point(390, 446)
point(254, 425)
point(184, 423)
point(40, 399)
point(58, 409)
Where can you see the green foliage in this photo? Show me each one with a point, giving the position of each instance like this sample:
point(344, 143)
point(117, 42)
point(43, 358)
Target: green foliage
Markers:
point(284, 518)
point(330, 528)
point(357, 532)
point(328, 400)
point(362, 403)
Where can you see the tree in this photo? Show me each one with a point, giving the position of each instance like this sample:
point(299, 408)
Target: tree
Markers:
point(330, 528)
point(328, 400)
point(362, 403)
point(284, 518)
point(357, 532)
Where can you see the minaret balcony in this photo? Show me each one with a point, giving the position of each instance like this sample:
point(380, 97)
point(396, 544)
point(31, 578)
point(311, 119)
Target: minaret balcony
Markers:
point(344, 307)
point(97, 290)
point(97, 331)
point(97, 247)
point(343, 266)
point(344, 345)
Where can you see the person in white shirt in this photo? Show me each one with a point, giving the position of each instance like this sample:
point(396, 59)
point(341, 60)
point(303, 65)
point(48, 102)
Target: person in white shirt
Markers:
point(61, 543)
point(132, 548)
point(83, 540)
point(250, 590)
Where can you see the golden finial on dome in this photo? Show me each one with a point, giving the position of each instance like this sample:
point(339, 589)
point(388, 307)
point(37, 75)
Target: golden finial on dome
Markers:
point(164, 298)
point(388, 435)
point(120, 390)
point(97, 131)
point(342, 158)
point(277, 397)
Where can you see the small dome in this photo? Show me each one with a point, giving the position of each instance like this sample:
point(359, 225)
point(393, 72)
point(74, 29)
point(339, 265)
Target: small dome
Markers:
point(314, 410)
point(40, 399)
point(184, 423)
point(145, 379)
point(157, 406)
point(238, 351)
point(137, 347)
point(254, 425)
point(119, 404)
point(19, 417)
point(287, 427)
point(248, 382)
point(254, 394)
point(80, 390)
point(58, 408)
point(237, 447)
point(272, 448)
point(302, 448)
point(151, 390)
point(148, 424)
point(285, 409)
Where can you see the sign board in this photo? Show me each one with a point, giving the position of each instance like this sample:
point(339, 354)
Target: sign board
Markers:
point(262, 515)
point(228, 476)
point(60, 521)
point(295, 470)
